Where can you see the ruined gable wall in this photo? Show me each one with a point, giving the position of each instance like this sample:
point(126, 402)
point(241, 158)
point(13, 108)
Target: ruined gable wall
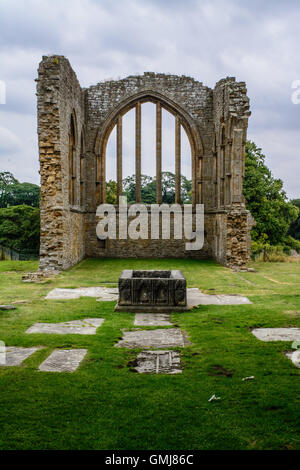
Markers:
point(185, 92)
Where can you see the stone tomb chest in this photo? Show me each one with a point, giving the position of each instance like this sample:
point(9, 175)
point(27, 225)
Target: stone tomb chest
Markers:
point(151, 291)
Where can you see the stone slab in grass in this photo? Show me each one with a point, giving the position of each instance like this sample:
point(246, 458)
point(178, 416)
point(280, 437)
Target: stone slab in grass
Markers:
point(294, 356)
point(158, 362)
point(7, 307)
point(88, 326)
point(152, 319)
point(63, 360)
point(160, 338)
point(14, 356)
point(101, 293)
point(195, 297)
point(277, 334)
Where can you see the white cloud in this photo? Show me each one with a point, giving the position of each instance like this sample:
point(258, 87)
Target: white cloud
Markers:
point(8, 141)
point(255, 41)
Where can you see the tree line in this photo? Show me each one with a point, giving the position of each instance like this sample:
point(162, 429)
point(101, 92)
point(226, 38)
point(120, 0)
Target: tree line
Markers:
point(277, 219)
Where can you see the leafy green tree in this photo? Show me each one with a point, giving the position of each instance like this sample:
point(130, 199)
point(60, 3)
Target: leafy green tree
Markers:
point(14, 193)
point(20, 227)
point(266, 200)
point(6, 179)
point(111, 192)
point(148, 189)
point(294, 229)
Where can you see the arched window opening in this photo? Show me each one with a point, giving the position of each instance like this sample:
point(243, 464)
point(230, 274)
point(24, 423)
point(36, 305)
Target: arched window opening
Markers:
point(186, 169)
point(222, 165)
point(72, 161)
point(82, 168)
point(148, 157)
point(111, 169)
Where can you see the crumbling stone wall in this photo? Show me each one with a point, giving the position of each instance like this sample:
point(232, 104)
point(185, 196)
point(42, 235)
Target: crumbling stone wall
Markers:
point(62, 226)
point(216, 123)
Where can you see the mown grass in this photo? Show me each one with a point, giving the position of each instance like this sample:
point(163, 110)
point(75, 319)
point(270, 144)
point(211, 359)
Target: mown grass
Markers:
point(104, 405)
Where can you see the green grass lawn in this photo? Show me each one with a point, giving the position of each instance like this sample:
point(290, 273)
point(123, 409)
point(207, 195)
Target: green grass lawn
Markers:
point(104, 405)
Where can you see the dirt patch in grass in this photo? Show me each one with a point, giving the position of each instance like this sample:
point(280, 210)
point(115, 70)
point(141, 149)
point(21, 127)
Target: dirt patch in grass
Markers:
point(293, 313)
point(220, 370)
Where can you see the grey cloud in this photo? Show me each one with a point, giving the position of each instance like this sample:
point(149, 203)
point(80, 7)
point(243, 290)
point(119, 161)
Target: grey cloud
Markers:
point(255, 41)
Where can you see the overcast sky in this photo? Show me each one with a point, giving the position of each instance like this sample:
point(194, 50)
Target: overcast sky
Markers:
point(256, 41)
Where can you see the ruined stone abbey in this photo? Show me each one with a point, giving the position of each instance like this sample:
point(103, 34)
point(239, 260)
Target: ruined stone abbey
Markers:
point(74, 125)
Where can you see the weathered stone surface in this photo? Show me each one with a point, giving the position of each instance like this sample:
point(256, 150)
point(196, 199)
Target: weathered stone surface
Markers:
point(216, 121)
point(294, 356)
point(7, 307)
point(88, 326)
point(277, 334)
point(158, 362)
point(151, 290)
point(38, 276)
point(63, 360)
point(103, 293)
point(14, 356)
point(160, 338)
point(152, 319)
point(195, 297)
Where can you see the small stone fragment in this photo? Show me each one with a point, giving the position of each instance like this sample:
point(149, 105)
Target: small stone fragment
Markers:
point(213, 397)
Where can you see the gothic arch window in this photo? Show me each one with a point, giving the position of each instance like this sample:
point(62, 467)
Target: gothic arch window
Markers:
point(82, 169)
point(177, 158)
point(222, 164)
point(72, 160)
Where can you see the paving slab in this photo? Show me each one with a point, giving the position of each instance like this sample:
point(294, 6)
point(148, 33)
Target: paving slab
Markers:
point(63, 360)
point(158, 362)
point(88, 326)
point(294, 356)
point(14, 356)
point(101, 293)
point(160, 338)
point(195, 298)
point(152, 319)
point(277, 334)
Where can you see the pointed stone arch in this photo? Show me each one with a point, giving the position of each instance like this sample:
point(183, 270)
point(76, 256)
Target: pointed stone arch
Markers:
point(114, 118)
